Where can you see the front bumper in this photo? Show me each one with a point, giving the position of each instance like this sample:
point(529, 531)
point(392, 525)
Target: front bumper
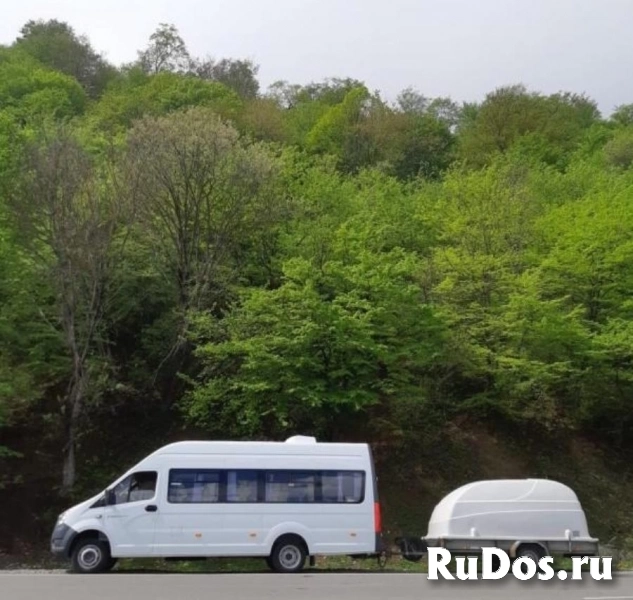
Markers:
point(61, 539)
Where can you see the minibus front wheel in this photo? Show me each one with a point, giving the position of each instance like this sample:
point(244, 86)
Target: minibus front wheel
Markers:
point(289, 554)
point(90, 555)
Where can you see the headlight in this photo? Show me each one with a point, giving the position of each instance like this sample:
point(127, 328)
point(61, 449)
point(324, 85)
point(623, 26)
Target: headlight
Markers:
point(61, 518)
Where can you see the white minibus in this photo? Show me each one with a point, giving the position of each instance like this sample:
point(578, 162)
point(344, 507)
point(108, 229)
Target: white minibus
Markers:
point(282, 501)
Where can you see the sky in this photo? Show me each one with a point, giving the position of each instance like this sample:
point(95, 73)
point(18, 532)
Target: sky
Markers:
point(457, 48)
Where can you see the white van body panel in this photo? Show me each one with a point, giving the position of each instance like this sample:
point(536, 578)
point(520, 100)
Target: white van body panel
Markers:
point(82, 512)
point(130, 529)
point(90, 521)
point(207, 528)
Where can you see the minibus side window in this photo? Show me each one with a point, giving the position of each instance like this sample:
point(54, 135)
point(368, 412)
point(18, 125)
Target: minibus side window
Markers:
point(241, 486)
point(291, 486)
point(202, 486)
point(138, 486)
point(302, 487)
point(343, 487)
point(194, 486)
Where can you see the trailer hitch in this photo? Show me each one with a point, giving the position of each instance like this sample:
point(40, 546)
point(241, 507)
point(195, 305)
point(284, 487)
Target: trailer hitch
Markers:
point(382, 559)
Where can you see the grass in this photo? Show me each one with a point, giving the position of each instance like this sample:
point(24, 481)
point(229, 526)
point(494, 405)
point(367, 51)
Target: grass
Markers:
point(330, 564)
point(256, 565)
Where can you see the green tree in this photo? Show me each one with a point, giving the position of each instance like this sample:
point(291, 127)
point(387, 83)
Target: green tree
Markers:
point(264, 120)
point(412, 102)
point(487, 232)
point(200, 193)
point(56, 45)
point(32, 356)
point(166, 51)
point(306, 105)
point(590, 252)
point(539, 361)
point(323, 347)
point(618, 151)
point(12, 139)
point(30, 92)
point(607, 384)
point(623, 115)
point(67, 215)
point(425, 149)
point(336, 131)
point(330, 91)
point(138, 95)
point(238, 75)
point(508, 114)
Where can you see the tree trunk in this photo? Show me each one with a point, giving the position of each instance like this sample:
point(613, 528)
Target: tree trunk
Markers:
point(69, 472)
point(74, 409)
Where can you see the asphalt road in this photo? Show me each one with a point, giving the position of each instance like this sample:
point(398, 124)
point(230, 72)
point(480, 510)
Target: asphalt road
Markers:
point(307, 586)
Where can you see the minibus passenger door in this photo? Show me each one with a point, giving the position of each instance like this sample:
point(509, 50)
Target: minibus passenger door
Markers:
point(130, 514)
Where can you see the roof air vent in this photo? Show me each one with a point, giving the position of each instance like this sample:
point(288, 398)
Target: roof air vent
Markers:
point(301, 439)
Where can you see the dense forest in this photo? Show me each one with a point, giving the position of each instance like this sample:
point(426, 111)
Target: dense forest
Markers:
point(185, 254)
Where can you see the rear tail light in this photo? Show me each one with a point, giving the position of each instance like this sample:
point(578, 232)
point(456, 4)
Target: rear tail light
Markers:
point(377, 518)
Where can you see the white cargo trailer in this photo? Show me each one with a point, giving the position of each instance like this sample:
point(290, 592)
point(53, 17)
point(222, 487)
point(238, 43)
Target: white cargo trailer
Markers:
point(523, 517)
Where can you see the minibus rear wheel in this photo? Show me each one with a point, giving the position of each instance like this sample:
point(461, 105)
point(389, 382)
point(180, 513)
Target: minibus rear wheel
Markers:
point(91, 556)
point(289, 554)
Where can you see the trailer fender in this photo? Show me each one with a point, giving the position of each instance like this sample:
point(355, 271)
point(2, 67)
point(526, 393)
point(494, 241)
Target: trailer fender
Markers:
point(515, 547)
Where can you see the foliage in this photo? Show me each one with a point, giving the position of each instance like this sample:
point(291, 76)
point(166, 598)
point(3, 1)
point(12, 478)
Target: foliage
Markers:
point(238, 75)
point(30, 92)
point(554, 123)
point(263, 119)
point(181, 249)
point(32, 358)
point(137, 95)
point(323, 346)
point(166, 52)
point(56, 45)
point(196, 189)
point(66, 216)
point(619, 150)
point(623, 115)
point(334, 130)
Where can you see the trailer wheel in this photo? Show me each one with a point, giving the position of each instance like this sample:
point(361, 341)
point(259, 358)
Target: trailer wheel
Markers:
point(532, 551)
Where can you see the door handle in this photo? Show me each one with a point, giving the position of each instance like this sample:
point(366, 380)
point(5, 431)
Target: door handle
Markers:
point(151, 508)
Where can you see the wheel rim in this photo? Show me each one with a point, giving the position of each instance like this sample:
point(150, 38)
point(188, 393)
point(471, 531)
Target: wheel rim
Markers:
point(290, 557)
point(531, 555)
point(89, 557)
